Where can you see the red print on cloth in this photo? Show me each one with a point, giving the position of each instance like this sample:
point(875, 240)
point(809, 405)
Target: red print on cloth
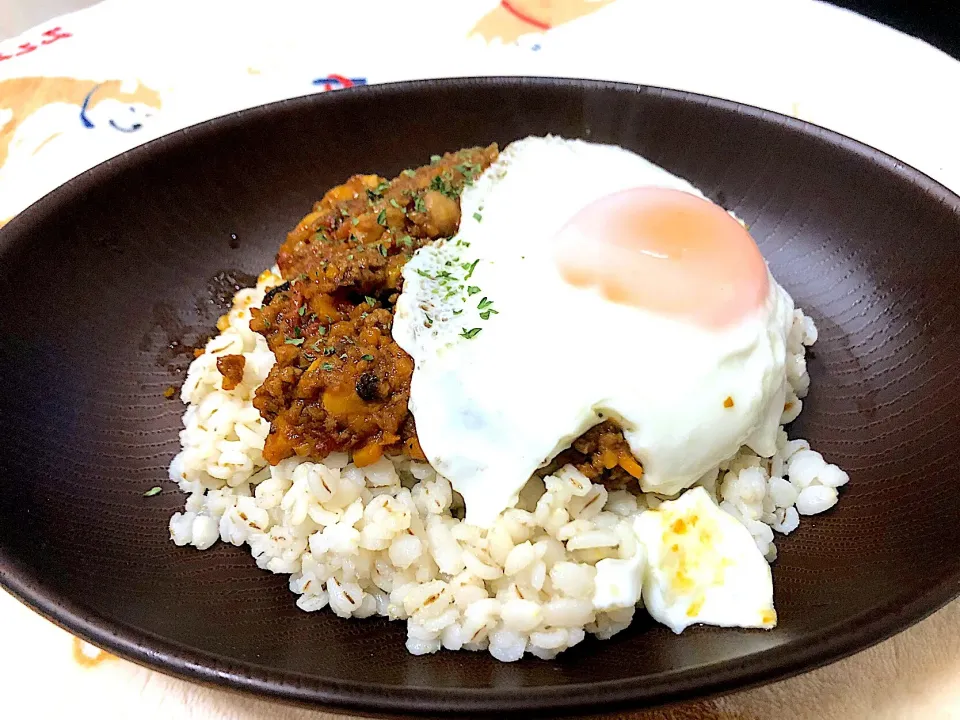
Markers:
point(48, 37)
point(523, 17)
point(54, 34)
point(336, 82)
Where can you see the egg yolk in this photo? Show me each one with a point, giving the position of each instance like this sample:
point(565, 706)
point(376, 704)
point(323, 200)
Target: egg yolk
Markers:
point(666, 251)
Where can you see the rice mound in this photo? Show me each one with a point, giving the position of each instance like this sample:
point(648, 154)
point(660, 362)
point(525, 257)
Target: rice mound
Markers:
point(389, 539)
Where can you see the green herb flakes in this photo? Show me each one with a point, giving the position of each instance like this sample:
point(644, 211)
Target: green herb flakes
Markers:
point(293, 341)
point(442, 186)
point(485, 315)
point(366, 357)
point(471, 333)
point(477, 216)
point(327, 366)
point(382, 218)
point(302, 311)
point(153, 491)
point(473, 290)
point(468, 170)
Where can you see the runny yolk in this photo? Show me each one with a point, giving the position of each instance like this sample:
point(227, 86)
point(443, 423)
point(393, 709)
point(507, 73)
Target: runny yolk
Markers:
point(665, 251)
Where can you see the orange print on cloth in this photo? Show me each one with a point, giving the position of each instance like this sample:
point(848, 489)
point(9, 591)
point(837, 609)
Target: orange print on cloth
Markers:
point(24, 96)
point(88, 656)
point(514, 18)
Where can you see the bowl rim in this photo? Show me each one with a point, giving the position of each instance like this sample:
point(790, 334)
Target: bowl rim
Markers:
point(145, 648)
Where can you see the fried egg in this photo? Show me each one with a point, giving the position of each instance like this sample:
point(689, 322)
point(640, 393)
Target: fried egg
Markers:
point(584, 284)
point(703, 566)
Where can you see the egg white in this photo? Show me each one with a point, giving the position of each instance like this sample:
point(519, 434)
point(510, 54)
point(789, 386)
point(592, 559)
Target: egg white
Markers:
point(703, 566)
point(512, 363)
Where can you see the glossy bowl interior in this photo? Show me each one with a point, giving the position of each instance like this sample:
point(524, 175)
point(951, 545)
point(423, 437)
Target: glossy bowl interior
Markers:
point(107, 284)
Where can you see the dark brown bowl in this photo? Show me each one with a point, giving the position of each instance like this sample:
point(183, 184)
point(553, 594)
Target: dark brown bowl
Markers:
point(106, 283)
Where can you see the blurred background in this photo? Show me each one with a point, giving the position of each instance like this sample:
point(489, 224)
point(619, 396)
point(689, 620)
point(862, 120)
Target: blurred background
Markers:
point(936, 21)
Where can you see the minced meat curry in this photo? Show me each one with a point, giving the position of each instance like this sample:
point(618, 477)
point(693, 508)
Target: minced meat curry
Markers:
point(340, 382)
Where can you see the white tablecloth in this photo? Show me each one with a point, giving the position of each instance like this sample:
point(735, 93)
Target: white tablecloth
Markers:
point(83, 87)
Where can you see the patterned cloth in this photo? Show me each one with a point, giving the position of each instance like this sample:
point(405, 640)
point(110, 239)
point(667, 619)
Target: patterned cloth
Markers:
point(84, 87)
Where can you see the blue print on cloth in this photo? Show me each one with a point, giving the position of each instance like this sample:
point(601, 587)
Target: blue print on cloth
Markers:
point(119, 126)
point(336, 82)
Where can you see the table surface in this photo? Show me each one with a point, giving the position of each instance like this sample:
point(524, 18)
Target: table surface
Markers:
point(153, 68)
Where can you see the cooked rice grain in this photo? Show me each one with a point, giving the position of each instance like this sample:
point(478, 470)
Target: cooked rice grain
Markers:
point(386, 539)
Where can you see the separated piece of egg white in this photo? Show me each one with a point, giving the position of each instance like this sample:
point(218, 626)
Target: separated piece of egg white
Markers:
point(694, 564)
point(703, 566)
